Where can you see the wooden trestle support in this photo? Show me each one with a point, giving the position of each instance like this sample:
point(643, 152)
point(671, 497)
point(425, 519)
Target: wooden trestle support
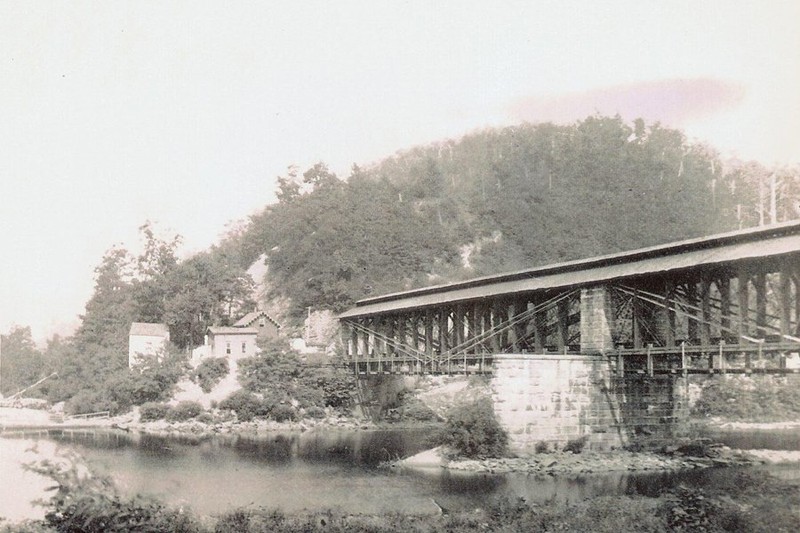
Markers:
point(742, 319)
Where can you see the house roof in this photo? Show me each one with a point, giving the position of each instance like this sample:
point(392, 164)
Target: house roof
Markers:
point(249, 318)
point(229, 330)
point(769, 241)
point(149, 329)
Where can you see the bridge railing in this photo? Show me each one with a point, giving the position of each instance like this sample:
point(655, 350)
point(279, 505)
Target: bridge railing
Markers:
point(752, 357)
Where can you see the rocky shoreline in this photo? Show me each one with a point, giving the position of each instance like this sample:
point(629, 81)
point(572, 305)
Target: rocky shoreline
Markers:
point(560, 463)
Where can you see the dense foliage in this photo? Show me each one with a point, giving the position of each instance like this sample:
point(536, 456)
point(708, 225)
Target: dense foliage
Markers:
point(753, 399)
point(473, 431)
point(210, 372)
point(152, 379)
point(498, 200)
point(280, 375)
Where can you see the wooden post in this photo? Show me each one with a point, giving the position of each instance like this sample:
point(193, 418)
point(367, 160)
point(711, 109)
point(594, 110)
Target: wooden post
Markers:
point(705, 311)
point(796, 281)
point(724, 286)
point(684, 362)
point(477, 323)
point(785, 301)
point(636, 319)
point(494, 320)
point(691, 298)
point(444, 345)
point(539, 327)
point(620, 364)
point(401, 334)
point(518, 331)
point(429, 340)
point(744, 302)
point(649, 360)
point(669, 302)
point(760, 283)
point(458, 325)
point(562, 328)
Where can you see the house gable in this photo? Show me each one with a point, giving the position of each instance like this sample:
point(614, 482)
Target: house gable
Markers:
point(267, 327)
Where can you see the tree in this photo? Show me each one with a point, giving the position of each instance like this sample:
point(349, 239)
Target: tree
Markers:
point(206, 289)
point(110, 310)
point(21, 363)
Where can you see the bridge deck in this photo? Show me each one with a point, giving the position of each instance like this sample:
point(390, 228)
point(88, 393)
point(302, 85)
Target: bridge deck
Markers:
point(761, 358)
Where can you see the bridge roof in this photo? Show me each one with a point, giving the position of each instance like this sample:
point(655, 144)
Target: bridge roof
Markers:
point(721, 249)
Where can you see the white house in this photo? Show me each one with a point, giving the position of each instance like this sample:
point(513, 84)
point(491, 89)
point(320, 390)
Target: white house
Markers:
point(232, 343)
point(146, 339)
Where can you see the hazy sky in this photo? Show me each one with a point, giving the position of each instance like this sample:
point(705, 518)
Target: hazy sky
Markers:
point(183, 113)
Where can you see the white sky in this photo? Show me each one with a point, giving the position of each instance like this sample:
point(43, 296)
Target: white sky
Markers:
point(114, 113)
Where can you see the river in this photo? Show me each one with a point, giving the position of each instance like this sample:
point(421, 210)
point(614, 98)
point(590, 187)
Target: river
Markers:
point(326, 470)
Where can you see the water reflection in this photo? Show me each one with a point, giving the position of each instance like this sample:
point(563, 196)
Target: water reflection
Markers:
point(323, 470)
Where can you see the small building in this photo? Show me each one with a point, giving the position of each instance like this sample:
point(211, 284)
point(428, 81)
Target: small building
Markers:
point(146, 339)
point(266, 326)
point(232, 343)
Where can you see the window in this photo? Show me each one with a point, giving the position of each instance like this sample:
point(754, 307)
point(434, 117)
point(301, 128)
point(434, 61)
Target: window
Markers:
point(227, 347)
point(244, 347)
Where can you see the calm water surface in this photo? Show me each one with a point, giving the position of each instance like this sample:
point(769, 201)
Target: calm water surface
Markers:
point(329, 469)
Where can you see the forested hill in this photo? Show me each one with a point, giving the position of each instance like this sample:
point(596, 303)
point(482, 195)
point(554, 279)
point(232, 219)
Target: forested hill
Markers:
point(495, 200)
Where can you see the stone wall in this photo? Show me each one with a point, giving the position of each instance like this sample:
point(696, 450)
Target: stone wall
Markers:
point(652, 408)
point(554, 399)
point(597, 321)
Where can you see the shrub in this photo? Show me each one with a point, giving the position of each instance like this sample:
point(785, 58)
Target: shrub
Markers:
point(210, 372)
point(542, 447)
point(93, 504)
point(576, 445)
point(205, 418)
point(315, 412)
point(419, 411)
point(245, 404)
point(283, 412)
point(87, 401)
point(472, 430)
point(153, 411)
point(184, 411)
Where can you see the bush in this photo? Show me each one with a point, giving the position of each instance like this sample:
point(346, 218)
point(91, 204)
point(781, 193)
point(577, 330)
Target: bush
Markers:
point(245, 404)
point(205, 418)
point(756, 398)
point(184, 411)
point(472, 430)
point(283, 412)
point(153, 411)
point(418, 411)
point(576, 445)
point(87, 401)
point(210, 372)
point(93, 504)
point(315, 412)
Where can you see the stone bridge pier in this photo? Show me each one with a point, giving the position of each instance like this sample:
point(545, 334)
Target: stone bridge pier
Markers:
point(553, 399)
point(550, 400)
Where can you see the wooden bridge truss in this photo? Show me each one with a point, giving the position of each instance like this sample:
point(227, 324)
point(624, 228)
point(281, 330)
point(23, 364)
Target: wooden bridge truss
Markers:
point(665, 312)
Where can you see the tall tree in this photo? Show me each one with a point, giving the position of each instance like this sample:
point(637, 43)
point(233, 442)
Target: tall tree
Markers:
point(21, 363)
